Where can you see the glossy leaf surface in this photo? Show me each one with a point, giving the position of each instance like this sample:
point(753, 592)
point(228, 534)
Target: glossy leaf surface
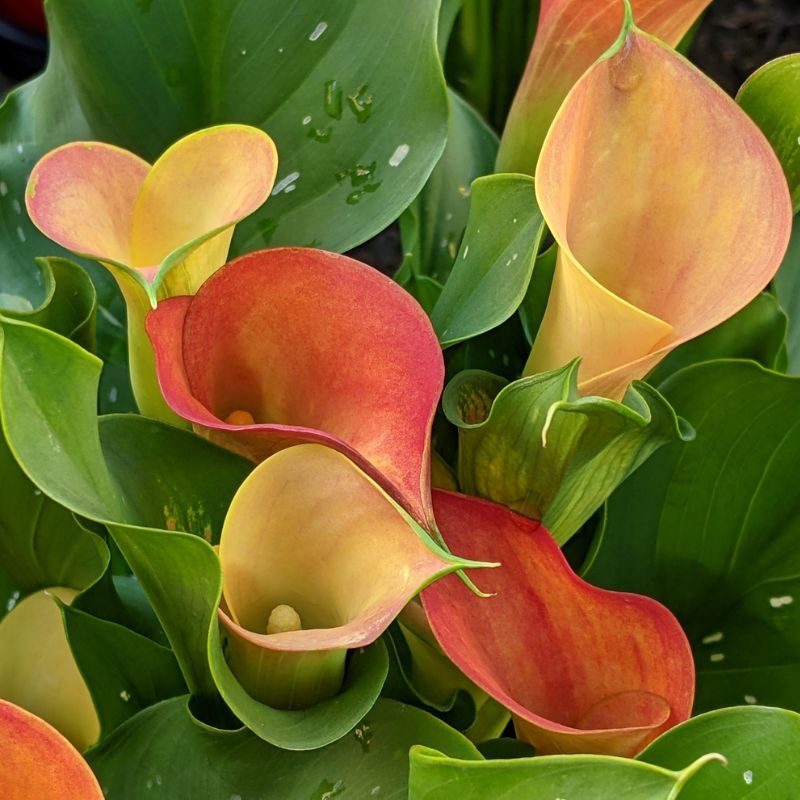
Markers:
point(709, 528)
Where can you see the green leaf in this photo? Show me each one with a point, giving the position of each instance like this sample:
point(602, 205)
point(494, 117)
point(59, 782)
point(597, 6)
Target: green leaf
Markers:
point(196, 480)
point(145, 480)
point(163, 754)
point(771, 96)
point(493, 269)
point(787, 289)
point(41, 544)
point(534, 304)
point(312, 727)
point(538, 447)
point(434, 776)
point(757, 332)
point(125, 672)
point(359, 120)
point(434, 223)
point(759, 744)
point(69, 302)
point(710, 529)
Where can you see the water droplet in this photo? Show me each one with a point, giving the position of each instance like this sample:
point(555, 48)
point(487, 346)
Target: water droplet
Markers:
point(750, 699)
point(21, 236)
point(16, 206)
point(333, 99)
point(3, 189)
point(327, 790)
point(174, 75)
point(112, 395)
point(785, 600)
point(717, 657)
point(20, 149)
point(37, 492)
point(466, 253)
point(243, 51)
point(307, 119)
point(375, 791)
point(318, 31)
point(280, 49)
point(514, 221)
point(321, 135)
point(12, 601)
point(713, 637)
point(281, 185)
point(359, 175)
point(357, 196)
point(748, 776)
point(464, 192)
point(125, 696)
point(399, 155)
point(236, 797)
point(360, 103)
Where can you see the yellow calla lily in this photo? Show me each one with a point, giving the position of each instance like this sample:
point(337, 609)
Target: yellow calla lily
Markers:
point(160, 230)
point(316, 559)
point(669, 208)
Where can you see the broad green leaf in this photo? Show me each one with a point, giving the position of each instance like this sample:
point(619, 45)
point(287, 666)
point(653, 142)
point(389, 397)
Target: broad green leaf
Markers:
point(41, 544)
point(538, 447)
point(434, 776)
point(710, 529)
point(757, 332)
point(163, 754)
point(359, 120)
point(495, 262)
point(69, 302)
point(125, 672)
point(195, 479)
point(771, 96)
point(759, 744)
point(146, 482)
point(787, 290)
point(433, 225)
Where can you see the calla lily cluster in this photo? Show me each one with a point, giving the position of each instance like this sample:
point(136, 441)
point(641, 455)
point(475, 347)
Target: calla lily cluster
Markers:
point(323, 379)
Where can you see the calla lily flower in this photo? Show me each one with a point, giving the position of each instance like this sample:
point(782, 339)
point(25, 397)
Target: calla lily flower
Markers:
point(296, 345)
point(38, 762)
point(657, 245)
point(38, 671)
point(581, 669)
point(161, 230)
point(309, 511)
point(570, 37)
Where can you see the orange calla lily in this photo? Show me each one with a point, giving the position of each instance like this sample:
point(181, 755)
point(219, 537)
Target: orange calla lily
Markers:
point(309, 510)
point(38, 762)
point(657, 244)
point(162, 229)
point(38, 671)
point(570, 37)
point(296, 345)
point(582, 670)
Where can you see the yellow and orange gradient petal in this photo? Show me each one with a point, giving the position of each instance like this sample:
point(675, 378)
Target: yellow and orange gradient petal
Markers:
point(107, 204)
point(581, 669)
point(570, 37)
point(316, 559)
point(670, 210)
point(38, 763)
point(162, 230)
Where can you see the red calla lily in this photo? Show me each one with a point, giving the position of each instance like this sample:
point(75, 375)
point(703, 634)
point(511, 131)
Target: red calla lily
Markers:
point(582, 669)
point(297, 345)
